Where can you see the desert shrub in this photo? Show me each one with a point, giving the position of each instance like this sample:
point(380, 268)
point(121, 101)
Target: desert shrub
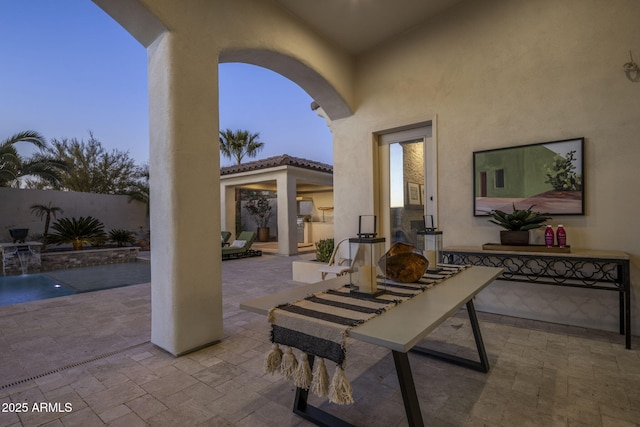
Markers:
point(78, 232)
point(121, 237)
point(324, 249)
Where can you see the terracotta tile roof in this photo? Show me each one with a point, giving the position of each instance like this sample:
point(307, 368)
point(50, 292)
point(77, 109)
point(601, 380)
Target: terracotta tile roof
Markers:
point(271, 162)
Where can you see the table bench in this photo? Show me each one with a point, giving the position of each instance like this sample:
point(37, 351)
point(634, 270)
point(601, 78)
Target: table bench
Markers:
point(399, 330)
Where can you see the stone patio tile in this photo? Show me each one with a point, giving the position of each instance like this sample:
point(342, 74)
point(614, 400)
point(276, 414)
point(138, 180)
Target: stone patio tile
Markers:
point(146, 406)
point(169, 384)
point(114, 413)
point(85, 417)
point(114, 396)
point(542, 374)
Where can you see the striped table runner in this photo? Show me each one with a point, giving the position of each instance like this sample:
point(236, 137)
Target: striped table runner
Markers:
point(319, 326)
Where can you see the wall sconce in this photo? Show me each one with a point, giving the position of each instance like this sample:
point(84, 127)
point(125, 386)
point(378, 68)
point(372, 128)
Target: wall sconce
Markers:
point(632, 70)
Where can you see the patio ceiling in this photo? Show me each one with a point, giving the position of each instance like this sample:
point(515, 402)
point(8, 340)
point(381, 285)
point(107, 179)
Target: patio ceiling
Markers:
point(301, 187)
point(359, 25)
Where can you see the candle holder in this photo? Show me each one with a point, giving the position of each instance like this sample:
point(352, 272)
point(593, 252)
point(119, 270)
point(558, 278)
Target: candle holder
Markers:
point(431, 243)
point(367, 250)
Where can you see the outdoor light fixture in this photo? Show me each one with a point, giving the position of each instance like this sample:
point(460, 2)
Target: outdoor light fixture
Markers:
point(431, 244)
point(632, 70)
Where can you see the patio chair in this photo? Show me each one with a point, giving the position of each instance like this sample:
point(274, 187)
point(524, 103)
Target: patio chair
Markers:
point(224, 237)
point(343, 259)
point(241, 247)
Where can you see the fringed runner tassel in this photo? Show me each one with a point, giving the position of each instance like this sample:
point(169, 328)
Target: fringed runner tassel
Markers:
point(303, 377)
point(340, 391)
point(274, 360)
point(320, 382)
point(289, 364)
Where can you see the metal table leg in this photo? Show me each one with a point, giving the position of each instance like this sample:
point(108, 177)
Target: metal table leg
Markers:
point(408, 388)
point(313, 414)
point(482, 365)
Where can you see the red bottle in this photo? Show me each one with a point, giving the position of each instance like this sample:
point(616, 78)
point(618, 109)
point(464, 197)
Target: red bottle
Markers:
point(562, 236)
point(549, 236)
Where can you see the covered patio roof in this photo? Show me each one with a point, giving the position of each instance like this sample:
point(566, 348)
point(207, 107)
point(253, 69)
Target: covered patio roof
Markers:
point(290, 177)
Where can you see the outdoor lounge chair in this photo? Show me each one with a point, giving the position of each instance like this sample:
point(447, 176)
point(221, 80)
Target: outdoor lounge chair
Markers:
point(241, 247)
point(224, 237)
point(343, 259)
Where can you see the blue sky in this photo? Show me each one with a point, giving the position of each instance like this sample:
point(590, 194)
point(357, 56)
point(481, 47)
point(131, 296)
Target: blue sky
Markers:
point(68, 69)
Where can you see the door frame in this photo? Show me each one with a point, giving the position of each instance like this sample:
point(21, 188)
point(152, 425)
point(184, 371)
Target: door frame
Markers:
point(427, 131)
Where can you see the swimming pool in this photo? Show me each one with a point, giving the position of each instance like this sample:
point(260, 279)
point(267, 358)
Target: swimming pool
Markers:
point(57, 283)
point(30, 287)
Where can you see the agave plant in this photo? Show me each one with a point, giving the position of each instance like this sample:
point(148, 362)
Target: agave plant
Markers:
point(519, 219)
point(121, 236)
point(78, 232)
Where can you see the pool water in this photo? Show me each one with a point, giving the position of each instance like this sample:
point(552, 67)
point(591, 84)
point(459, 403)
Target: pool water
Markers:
point(57, 283)
point(30, 287)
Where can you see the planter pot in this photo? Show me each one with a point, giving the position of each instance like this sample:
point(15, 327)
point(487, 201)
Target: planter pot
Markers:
point(18, 234)
point(514, 238)
point(263, 234)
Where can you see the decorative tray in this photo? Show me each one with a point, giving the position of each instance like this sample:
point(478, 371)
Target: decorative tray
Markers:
point(526, 248)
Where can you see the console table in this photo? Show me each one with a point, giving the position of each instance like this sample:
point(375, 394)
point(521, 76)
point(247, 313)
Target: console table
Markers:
point(399, 330)
point(605, 270)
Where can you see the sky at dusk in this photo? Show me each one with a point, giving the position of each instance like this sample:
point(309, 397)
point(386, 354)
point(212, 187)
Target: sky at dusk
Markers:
point(69, 68)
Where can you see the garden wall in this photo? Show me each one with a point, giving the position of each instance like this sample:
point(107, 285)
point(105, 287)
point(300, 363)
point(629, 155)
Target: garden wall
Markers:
point(36, 262)
point(114, 211)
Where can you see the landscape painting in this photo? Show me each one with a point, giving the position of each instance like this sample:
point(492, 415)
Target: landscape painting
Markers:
point(548, 175)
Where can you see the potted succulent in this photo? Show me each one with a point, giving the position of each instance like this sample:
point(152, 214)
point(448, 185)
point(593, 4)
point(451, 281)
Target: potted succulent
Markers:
point(517, 224)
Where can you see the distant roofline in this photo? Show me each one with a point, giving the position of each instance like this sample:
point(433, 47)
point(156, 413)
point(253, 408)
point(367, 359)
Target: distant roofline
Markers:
point(271, 162)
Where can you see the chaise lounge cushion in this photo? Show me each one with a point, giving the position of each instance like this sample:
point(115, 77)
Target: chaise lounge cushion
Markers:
point(238, 244)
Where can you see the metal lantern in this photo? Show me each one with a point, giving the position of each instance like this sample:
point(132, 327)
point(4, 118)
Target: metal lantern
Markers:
point(368, 251)
point(431, 245)
point(367, 273)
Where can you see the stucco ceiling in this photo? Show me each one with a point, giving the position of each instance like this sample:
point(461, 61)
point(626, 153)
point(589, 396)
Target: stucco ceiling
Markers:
point(359, 25)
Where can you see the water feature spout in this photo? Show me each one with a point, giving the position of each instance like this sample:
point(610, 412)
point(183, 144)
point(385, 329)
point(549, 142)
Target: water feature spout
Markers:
point(24, 254)
point(20, 257)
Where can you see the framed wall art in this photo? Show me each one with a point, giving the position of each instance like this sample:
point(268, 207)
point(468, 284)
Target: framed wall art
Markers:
point(413, 194)
point(549, 175)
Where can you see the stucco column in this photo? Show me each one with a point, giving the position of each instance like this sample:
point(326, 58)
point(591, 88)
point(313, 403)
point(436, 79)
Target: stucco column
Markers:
point(287, 211)
point(186, 291)
point(228, 208)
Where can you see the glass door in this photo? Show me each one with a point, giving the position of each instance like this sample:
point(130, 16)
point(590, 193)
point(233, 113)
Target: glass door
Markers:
point(407, 182)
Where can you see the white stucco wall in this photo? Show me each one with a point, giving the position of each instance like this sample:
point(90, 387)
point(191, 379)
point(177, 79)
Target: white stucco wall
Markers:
point(495, 73)
point(114, 211)
point(499, 73)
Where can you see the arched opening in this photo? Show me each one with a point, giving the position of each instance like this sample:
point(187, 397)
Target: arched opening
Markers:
point(313, 83)
point(183, 111)
point(266, 103)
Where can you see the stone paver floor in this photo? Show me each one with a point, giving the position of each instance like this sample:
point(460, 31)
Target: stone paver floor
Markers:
point(86, 360)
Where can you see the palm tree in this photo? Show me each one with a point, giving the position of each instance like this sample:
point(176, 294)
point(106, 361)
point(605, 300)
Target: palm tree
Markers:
point(46, 212)
point(13, 166)
point(235, 146)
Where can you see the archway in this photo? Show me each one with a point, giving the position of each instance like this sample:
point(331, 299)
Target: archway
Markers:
point(183, 81)
point(306, 77)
